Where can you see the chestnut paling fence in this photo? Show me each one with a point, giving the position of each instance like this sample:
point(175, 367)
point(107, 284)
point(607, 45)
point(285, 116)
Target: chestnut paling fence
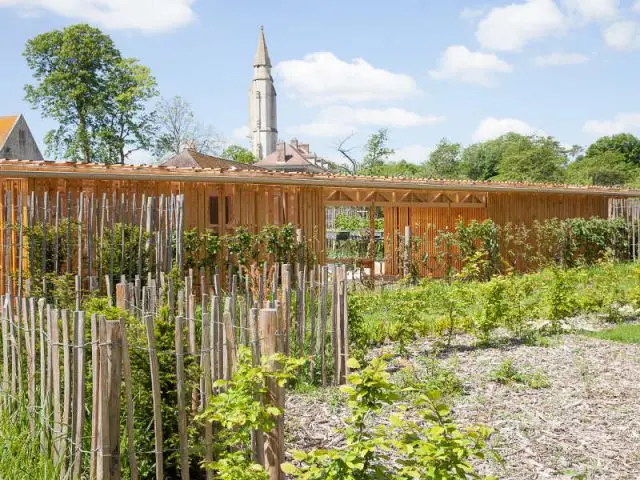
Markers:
point(80, 370)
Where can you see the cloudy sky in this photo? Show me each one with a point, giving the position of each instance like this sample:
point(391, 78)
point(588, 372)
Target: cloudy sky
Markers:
point(467, 70)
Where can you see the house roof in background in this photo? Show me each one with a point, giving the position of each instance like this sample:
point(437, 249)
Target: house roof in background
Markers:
point(6, 126)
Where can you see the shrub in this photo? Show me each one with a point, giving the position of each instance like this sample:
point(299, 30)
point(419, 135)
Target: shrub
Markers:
point(237, 410)
point(506, 373)
point(432, 447)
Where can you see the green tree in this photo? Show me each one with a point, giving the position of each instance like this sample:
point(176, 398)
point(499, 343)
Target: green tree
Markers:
point(96, 96)
point(128, 125)
point(608, 168)
point(177, 128)
point(533, 159)
point(625, 144)
point(480, 160)
point(376, 152)
point(444, 161)
point(239, 154)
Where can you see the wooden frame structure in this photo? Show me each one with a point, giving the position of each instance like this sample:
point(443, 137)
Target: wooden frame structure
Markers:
point(256, 198)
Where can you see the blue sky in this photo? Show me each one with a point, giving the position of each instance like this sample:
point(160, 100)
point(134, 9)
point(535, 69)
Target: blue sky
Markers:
point(426, 69)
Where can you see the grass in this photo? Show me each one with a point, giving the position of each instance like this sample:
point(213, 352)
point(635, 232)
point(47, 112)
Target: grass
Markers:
point(506, 373)
point(621, 333)
point(20, 456)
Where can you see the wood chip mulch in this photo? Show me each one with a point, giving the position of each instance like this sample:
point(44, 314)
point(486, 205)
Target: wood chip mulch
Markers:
point(585, 425)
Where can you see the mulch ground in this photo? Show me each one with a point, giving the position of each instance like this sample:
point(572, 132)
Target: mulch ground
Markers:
point(586, 424)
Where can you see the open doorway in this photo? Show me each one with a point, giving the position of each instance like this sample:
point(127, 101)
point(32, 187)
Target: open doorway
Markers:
point(355, 237)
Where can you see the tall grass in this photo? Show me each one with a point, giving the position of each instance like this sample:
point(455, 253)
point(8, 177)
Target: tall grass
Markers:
point(20, 456)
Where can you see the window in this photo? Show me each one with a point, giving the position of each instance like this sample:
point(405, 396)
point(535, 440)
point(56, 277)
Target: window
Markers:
point(213, 210)
point(228, 211)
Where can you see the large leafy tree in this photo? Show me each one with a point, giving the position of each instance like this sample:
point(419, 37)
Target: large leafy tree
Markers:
point(238, 153)
point(626, 144)
point(444, 161)
point(533, 159)
point(177, 128)
point(608, 168)
point(96, 96)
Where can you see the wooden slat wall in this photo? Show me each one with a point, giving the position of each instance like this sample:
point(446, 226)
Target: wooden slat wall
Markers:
point(254, 206)
point(502, 207)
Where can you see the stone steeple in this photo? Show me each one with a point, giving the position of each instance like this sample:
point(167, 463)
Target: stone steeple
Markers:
point(263, 122)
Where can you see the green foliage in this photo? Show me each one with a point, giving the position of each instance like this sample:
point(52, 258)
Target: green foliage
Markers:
point(495, 309)
point(279, 241)
point(444, 161)
point(560, 297)
point(354, 223)
point(124, 262)
point(506, 373)
point(431, 448)
point(625, 144)
point(626, 333)
point(533, 159)
point(21, 457)
point(608, 168)
point(478, 244)
point(239, 154)
point(95, 95)
point(376, 152)
point(237, 410)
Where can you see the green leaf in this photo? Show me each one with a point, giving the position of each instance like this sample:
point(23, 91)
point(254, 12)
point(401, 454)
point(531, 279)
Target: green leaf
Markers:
point(353, 364)
point(288, 468)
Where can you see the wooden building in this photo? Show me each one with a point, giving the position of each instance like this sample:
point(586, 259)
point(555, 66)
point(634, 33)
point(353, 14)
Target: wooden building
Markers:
point(223, 198)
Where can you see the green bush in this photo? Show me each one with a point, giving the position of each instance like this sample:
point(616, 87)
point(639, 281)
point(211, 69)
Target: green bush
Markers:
point(433, 447)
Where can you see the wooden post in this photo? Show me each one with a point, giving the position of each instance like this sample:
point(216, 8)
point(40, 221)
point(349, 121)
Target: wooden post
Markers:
point(323, 324)
point(95, 392)
point(110, 385)
point(66, 404)
point(206, 390)
point(121, 296)
point(407, 250)
point(257, 436)
point(79, 371)
point(286, 307)
point(312, 326)
point(229, 346)
point(55, 378)
point(180, 391)
point(268, 334)
point(157, 402)
point(126, 370)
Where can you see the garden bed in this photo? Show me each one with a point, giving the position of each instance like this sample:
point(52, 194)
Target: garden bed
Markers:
point(585, 424)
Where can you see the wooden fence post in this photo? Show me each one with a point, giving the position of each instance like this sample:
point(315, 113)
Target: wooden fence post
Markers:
point(126, 371)
point(268, 334)
point(180, 391)
point(155, 390)
point(110, 386)
point(78, 409)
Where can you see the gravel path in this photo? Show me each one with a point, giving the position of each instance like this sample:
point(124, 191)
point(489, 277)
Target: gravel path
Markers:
point(586, 424)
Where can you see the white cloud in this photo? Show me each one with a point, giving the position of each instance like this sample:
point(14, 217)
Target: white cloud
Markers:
point(636, 6)
point(557, 58)
point(593, 9)
point(339, 121)
point(510, 28)
point(412, 153)
point(141, 157)
point(623, 35)
point(460, 63)
point(322, 78)
point(241, 133)
point(492, 127)
point(144, 15)
point(469, 13)
point(383, 117)
point(622, 123)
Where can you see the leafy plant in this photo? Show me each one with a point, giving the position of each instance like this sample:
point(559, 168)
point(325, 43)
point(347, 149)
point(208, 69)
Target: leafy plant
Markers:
point(237, 410)
point(506, 373)
point(431, 448)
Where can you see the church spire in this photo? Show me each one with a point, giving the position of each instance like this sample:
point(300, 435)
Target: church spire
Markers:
point(263, 121)
point(262, 54)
